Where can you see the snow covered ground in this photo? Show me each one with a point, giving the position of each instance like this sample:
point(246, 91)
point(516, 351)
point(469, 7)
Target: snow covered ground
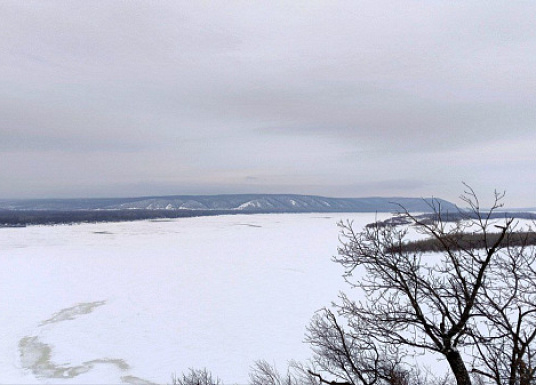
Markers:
point(134, 302)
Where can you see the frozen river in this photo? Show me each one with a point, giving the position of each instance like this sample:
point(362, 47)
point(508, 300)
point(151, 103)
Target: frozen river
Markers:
point(134, 302)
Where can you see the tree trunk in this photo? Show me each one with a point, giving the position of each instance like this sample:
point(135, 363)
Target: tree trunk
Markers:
point(524, 373)
point(457, 366)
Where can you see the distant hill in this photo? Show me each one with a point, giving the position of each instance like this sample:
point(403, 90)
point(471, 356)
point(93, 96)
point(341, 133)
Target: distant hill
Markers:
point(16, 213)
point(235, 202)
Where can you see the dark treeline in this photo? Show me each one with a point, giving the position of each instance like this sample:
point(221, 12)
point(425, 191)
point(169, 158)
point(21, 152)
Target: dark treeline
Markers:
point(17, 218)
point(466, 241)
point(13, 218)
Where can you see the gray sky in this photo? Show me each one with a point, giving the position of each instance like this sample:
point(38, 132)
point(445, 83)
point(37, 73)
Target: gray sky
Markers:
point(336, 98)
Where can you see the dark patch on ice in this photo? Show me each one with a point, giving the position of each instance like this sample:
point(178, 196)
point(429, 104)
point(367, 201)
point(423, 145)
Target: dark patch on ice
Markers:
point(102, 232)
point(70, 313)
point(36, 356)
point(248, 225)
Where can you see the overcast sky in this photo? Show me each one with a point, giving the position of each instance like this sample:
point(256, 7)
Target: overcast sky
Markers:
point(336, 98)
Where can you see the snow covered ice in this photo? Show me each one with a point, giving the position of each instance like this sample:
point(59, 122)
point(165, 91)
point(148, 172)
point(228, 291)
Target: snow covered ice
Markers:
point(134, 302)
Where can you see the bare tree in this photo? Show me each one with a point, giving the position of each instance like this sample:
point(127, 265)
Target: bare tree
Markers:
point(195, 377)
point(505, 342)
point(264, 373)
point(456, 301)
point(350, 353)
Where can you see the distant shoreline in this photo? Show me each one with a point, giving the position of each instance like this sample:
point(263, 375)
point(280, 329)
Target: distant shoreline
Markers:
point(22, 218)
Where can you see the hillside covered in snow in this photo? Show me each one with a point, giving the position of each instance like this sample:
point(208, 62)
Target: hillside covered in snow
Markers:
point(242, 202)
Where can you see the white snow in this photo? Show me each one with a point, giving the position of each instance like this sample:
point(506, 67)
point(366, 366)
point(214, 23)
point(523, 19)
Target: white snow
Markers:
point(250, 204)
point(137, 301)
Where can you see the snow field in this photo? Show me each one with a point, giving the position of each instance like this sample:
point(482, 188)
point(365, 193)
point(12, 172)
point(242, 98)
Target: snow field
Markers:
point(134, 302)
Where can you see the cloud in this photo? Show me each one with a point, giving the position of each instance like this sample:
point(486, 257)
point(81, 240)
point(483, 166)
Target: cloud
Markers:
point(296, 94)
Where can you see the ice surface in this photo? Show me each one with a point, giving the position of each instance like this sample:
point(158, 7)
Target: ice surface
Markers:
point(134, 302)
